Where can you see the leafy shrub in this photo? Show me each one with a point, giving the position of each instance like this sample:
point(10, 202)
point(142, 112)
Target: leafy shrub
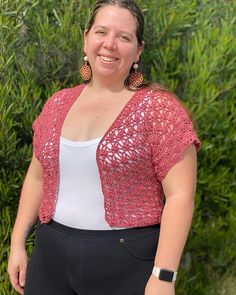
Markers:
point(190, 48)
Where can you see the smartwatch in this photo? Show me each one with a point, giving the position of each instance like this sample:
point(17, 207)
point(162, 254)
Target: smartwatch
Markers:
point(164, 274)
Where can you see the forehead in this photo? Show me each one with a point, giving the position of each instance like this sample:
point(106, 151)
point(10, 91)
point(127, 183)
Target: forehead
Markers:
point(112, 15)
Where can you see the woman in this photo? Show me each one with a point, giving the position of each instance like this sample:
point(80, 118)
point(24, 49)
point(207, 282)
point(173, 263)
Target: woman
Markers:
point(104, 154)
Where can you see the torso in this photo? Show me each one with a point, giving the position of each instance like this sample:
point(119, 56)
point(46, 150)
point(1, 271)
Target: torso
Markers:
point(91, 115)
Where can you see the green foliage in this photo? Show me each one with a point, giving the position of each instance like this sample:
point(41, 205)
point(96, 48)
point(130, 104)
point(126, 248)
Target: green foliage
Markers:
point(191, 49)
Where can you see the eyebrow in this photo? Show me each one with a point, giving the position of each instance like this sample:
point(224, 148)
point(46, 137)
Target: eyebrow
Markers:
point(103, 27)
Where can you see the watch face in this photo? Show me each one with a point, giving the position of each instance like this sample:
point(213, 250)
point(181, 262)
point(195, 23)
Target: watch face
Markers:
point(166, 275)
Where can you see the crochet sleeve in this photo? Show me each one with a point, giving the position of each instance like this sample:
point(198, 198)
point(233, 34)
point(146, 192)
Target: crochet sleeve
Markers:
point(39, 125)
point(171, 132)
point(36, 128)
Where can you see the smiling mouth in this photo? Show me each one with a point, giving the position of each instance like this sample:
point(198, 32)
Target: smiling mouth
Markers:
point(108, 59)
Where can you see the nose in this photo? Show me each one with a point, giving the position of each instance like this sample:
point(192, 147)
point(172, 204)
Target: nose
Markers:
point(110, 42)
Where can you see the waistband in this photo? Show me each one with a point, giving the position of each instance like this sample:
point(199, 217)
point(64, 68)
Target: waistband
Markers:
point(103, 234)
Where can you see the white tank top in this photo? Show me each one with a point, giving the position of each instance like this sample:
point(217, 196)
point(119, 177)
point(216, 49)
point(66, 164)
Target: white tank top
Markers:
point(80, 202)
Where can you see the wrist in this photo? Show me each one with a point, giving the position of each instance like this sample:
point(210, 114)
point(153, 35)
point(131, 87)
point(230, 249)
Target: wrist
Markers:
point(156, 286)
point(16, 245)
point(164, 274)
point(18, 242)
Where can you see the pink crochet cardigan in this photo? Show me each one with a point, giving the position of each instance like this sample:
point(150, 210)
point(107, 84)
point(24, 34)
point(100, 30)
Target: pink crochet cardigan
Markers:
point(146, 139)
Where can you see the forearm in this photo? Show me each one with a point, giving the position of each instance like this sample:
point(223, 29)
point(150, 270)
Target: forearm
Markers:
point(27, 211)
point(175, 225)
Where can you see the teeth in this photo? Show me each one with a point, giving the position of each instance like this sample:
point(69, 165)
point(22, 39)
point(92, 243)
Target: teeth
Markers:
point(108, 58)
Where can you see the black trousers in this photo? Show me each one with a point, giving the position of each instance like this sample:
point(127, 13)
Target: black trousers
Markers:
point(68, 261)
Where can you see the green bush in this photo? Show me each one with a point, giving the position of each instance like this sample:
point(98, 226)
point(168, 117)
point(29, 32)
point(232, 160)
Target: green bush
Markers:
point(191, 49)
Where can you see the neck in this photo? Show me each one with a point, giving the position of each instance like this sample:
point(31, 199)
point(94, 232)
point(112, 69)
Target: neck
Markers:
point(106, 86)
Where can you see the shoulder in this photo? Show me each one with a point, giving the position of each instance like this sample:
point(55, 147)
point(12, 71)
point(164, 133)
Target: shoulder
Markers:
point(56, 102)
point(62, 96)
point(163, 103)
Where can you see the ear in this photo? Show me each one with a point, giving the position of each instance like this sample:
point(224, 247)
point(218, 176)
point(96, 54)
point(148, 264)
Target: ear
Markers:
point(85, 40)
point(140, 50)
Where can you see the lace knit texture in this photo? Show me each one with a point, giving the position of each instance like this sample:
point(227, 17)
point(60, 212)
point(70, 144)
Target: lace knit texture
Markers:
point(146, 139)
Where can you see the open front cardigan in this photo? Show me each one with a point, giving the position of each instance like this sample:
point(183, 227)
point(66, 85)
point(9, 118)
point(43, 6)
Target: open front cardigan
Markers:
point(146, 139)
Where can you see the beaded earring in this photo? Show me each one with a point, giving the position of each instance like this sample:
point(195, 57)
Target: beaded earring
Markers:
point(135, 79)
point(85, 70)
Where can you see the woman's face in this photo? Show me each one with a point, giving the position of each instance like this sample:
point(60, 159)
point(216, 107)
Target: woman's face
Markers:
point(111, 45)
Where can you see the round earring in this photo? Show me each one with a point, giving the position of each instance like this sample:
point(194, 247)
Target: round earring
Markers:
point(85, 70)
point(135, 79)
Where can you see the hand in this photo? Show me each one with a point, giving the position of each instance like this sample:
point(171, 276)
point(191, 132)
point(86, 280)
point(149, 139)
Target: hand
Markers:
point(157, 287)
point(17, 266)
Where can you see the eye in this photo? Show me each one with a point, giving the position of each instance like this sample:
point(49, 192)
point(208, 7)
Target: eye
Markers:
point(125, 38)
point(100, 32)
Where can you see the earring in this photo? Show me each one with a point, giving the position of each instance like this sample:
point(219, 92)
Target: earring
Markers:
point(85, 70)
point(135, 79)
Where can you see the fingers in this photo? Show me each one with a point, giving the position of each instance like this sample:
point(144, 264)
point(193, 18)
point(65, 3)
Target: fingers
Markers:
point(19, 289)
point(17, 278)
point(14, 278)
point(22, 276)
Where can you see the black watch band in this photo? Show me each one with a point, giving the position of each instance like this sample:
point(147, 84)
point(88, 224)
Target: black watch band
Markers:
point(164, 274)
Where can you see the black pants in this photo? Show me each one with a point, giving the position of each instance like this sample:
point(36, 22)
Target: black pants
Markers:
point(68, 261)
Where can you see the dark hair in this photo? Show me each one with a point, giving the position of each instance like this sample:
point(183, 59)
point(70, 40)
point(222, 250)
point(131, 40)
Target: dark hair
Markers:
point(127, 4)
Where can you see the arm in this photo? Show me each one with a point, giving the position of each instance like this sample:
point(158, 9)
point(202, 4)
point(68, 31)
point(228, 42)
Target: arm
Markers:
point(26, 218)
point(179, 188)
